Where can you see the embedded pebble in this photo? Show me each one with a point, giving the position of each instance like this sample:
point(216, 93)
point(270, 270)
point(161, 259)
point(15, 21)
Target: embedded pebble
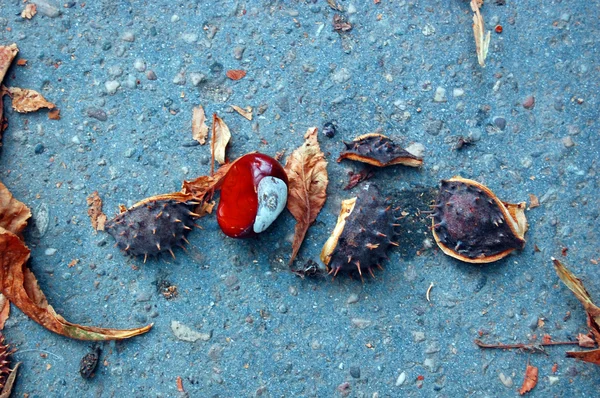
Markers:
point(179, 78)
point(196, 78)
point(189, 38)
point(112, 86)
point(128, 36)
point(238, 52)
point(353, 298)
point(47, 8)
point(416, 149)
point(458, 92)
point(401, 379)
point(568, 142)
point(553, 380)
point(185, 333)
point(41, 219)
point(431, 364)
point(50, 251)
point(418, 336)
point(440, 95)
point(529, 102)
point(139, 65)
point(39, 149)
point(341, 75)
point(506, 380)
point(500, 122)
point(361, 323)
point(97, 114)
point(150, 75)
point(355, 371)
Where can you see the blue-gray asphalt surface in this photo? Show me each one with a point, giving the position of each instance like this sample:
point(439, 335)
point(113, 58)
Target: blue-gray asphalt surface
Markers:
point(126, 75)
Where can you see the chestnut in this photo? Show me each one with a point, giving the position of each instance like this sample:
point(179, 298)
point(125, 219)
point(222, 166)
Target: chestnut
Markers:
point(253, 194)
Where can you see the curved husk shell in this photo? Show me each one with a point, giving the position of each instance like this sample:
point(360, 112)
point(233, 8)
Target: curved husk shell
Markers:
point(471, 224)
point(378, 150)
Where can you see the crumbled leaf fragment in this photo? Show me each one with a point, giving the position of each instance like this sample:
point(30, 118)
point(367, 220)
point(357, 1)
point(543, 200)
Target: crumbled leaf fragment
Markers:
point(378, 150)
point(4, 310)
point(180, 384)
point(54, 114)
point(235, 74)
point(25, 100)
point(97, 217)
point(246, 113)
point(585, 341)
point(531, 379)
point(533, 201)
point(29, 11)
point(306, 169)
point(340, 23)
point(221, 138)
point(576, 286)
point(199, 127)
point(482, 39)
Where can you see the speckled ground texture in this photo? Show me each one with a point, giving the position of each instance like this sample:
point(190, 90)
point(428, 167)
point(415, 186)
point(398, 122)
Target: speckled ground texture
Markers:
point(265, 331)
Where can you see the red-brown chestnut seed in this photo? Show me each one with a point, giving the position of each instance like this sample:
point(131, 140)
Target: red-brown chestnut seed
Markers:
point(253, 194)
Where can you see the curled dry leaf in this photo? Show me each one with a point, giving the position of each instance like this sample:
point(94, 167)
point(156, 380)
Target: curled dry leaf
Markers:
point(221, 137)
point(24, 100)
point(201, 188)
point(591, 356)
point(236, 74)
point(531, 379)
point(199, 127)
point(97, 217)
point(378, 150)
point(29, 11)
point(4, 310)
point(247, 113)
point(306, 169)
point(54, 114)
point(585, 341)
point(482, 39)
point(20, 287)
point(576, 286)
point(7, 54)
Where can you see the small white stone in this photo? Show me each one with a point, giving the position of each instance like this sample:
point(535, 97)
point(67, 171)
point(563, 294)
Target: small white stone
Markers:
point(175, 18)
point(50, 251)
point(428, 30)
point(139, 65)
point(185, 170)
point(401, 379)
point(351, 9)
point(440, 95)
point(553, 380)
point(506, 380)
point(416, 149)
point(189, 38)
point(128, 36)
point(75, 140)
point(272, 197)
point(196, 78)
point(112, 86)
point(458, 92)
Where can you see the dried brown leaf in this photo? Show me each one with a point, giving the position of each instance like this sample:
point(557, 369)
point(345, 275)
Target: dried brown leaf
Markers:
point(334, 5)
point(180, 384)
point(3, 120)
point(306, 169)
point(54, 114)
point(340, 23)
point(13, 213)
point(10, 381)
point(7, 54)
point(25, 100)
point(482, 39)
point(29, 11)
point(235, 74)
point(201, 188)
point(21, 287)
point(576, 286)
point(221, 138)
point(247, 113)
point(4, 310)
point(531, 379)
point(533, 201)
point(585, 341)
point(591, 356)
point(97, 217)
point(199, 127)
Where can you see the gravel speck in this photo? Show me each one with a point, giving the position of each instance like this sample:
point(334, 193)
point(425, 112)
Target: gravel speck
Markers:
point(529, 102)
point(47, 8)
point(506, 380)
point(353, 298)
point(139, 65)
point(196, 78)
point(440, 95)
point(401, 379)
point(238, 52)
point(431, 364)
point(418, 336)
point(355, 371)
point(112, 86)
point(500, 122)
point(568, 142)
point(185, 333)
point(50, 251)
point(179, 78)
point(458, 92)
point(150, 75)
point(189, 38)
point(97, 114)
point(433, 127)
point(361, 323)
point(341, 75)
point(39, 148)
point(128, 36)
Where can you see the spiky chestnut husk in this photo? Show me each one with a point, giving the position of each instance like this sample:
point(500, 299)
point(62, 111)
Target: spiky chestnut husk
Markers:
point(378, 150)
point(362, 235)
point(5, 356)
point(471, 224)
point(153, 225)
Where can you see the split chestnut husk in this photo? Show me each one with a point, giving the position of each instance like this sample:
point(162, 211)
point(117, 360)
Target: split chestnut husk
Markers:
point(378, 150)
point(362, 235)
point(471, 224)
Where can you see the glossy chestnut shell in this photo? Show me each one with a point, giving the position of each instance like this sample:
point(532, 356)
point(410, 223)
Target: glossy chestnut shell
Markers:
point(238, 205)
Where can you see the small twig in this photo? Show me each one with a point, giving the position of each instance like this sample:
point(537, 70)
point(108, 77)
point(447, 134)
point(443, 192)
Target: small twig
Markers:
point(522, 346)
point(42, 351)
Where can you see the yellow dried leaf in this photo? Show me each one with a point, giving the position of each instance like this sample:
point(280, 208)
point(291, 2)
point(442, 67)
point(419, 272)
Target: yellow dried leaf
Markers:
point(306, 169)
point(24, 100)
point(247, 113)
point(221, 137)
point(97, 217)
point(482, 39)
point(199, 127)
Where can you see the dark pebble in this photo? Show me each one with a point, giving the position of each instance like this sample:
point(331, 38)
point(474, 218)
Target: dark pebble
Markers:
point(39, 148)
point(106, 46)
point(204, 159)
point(559, 105)
point(153, 31)
point(355, 372)
point(329, 129)
point(216, 68)
point(97, 113)
point(283, 103)
point(500, 122)
point(190, 143)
